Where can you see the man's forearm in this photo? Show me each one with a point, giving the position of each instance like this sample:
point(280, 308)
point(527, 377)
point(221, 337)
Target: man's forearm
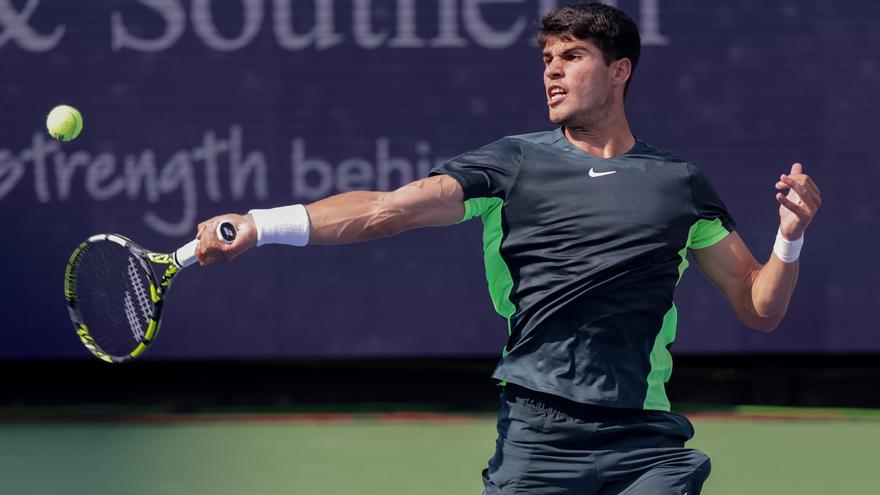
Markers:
point(362, 215)
point(351, 217)
point(772, 287)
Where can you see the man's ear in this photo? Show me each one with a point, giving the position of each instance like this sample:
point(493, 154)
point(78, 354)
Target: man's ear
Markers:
point(621, 70)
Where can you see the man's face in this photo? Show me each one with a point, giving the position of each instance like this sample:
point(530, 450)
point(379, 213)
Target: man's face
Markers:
point(577, 82)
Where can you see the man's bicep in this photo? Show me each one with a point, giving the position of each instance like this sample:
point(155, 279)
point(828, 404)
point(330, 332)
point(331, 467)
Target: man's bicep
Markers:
point(728, 264)
point(434, 201)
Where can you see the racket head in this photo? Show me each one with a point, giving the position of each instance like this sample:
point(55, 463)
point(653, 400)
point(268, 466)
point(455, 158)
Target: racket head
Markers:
point(112, 296)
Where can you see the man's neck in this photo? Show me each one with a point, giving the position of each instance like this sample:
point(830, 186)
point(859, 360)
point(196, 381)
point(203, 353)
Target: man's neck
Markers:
point(606, 141)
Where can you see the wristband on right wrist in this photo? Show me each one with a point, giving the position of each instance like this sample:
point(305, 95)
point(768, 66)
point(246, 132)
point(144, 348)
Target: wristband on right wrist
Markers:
point(284, 225)
point(787, 251)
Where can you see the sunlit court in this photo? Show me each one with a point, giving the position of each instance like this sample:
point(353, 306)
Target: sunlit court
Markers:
point(390, 454)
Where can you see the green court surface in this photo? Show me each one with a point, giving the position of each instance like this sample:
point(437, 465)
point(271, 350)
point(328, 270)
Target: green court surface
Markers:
point(378, 454)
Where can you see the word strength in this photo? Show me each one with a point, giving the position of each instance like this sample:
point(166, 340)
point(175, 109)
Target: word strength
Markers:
point(168, 186)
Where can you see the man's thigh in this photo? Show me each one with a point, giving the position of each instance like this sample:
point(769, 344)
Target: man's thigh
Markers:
point(546, 448)
point(655, 472)
point(529, 459)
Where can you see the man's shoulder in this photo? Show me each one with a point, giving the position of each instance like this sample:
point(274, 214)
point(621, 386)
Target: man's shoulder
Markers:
point(648, 151)
point(512, 146)
point(542, 137)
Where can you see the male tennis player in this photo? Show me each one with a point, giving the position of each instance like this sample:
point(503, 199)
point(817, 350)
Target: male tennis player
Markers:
point(586, 230)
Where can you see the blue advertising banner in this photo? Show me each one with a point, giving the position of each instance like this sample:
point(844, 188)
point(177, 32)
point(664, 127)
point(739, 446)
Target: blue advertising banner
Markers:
point(197, 107)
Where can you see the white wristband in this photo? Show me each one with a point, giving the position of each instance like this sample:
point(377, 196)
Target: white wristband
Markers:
point(284, 225)
point(787, 251)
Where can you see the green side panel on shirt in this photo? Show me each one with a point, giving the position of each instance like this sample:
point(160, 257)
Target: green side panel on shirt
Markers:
point(661, 364)
point(702, 234)
point(497, 272)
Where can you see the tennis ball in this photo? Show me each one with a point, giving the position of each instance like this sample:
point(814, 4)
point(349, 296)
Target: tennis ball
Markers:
point(64, 123)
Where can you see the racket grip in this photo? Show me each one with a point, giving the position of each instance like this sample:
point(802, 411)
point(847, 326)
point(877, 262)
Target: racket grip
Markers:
point(186, 255)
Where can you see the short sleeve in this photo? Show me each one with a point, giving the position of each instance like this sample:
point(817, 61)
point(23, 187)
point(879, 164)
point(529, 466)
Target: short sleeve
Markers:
point(713, 222)
point(488, 172)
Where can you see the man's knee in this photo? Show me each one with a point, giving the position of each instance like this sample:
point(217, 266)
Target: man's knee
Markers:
point(684, 474)
point(700, 462)
point(691, 480)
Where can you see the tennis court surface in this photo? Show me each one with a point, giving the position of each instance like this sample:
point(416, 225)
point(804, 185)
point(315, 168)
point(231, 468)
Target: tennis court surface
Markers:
point(754, 451)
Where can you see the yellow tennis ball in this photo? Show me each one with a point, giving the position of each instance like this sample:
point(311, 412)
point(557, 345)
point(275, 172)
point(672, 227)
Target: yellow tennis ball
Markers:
point(64, 123)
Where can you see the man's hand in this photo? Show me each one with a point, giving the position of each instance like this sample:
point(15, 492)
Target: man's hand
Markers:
point(800, 205)
point(211, 249)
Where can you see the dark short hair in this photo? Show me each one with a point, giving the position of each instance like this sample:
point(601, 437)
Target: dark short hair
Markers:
point(609, 28)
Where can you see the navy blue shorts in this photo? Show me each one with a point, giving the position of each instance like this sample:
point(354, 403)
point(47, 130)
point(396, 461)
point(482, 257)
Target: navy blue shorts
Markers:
point(550, 445)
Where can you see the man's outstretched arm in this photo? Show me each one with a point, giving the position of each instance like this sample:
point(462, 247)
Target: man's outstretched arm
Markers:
point(350, 217)
point(759, 294)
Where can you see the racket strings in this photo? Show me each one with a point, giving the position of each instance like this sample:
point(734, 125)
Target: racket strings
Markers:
point(113, 298)
point(140, 292)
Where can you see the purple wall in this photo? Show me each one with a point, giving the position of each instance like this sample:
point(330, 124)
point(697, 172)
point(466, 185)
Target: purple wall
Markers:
point(232, 105)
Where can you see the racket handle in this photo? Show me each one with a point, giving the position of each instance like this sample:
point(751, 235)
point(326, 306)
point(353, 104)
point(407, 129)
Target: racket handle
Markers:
point(186, 255)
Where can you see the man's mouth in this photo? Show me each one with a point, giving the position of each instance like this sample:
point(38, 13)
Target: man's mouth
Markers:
point(555, 94)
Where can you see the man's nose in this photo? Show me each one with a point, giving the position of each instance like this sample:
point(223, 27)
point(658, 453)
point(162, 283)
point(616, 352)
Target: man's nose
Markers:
point(553, 69)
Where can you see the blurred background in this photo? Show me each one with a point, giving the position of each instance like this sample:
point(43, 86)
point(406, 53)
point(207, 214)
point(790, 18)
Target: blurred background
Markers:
point(194, 108)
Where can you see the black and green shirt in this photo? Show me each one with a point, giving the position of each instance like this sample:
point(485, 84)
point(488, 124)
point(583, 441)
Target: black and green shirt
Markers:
point(582, 258)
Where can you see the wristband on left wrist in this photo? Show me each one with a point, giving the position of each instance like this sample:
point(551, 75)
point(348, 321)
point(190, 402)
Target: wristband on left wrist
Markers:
point(786, 250)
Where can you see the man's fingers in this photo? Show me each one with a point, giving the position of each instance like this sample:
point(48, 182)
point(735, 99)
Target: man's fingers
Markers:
point(201, 257)
point(812, 187)
point(798, 170)
point(814, 194)
point(803, 187)
point(204, 224)
point(201, 254)
point(793, 184)
point(807, 182)
point(799, 210)
point(803, 193)
point(788, 204)
point(207, 255)
point(212, 249)
point(209, 225)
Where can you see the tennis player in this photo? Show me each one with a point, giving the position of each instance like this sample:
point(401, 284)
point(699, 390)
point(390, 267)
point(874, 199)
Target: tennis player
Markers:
point(586, 229)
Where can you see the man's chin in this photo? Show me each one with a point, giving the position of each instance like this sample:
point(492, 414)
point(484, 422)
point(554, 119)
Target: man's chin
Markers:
point(556, 117)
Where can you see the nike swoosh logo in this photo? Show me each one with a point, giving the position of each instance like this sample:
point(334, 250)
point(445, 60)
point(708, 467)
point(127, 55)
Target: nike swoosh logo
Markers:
point(593, 173)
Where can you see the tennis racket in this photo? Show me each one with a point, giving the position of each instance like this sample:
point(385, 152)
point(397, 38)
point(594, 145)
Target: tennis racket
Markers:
point(113, 295)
